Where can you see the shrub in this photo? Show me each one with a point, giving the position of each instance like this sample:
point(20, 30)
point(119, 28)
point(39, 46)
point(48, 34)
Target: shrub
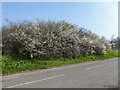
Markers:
point(51, 39)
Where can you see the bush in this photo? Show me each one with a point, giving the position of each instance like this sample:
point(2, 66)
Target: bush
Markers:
point(51, 39)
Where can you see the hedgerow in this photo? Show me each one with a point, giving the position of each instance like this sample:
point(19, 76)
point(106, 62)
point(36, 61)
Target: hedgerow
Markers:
point(51, 39)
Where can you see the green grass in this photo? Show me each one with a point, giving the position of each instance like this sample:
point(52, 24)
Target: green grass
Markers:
point(12, 64)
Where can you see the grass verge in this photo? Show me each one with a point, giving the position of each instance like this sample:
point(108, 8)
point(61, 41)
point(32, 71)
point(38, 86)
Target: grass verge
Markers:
point(12, 64)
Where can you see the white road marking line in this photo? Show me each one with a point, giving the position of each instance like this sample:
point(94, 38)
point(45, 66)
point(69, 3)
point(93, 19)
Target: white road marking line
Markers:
point(95, 67)
point(36, 81)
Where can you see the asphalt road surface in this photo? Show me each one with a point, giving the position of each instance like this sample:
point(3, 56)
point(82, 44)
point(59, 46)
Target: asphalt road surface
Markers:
point(95, 74)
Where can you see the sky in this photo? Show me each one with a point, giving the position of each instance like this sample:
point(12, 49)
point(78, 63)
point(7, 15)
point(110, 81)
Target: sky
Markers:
point(99, 17)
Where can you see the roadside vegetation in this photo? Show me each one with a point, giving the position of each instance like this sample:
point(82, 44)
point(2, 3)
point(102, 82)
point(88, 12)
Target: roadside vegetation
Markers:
point(38, 45)
point(12, 64)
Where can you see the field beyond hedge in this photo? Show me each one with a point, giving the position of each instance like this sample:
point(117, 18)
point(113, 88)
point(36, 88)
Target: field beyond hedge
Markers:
point(12, 64)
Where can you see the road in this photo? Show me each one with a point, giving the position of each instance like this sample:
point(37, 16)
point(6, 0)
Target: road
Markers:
point(95, 74)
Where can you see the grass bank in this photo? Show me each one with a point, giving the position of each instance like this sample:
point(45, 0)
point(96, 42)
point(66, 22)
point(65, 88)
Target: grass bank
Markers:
point(12, 64)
